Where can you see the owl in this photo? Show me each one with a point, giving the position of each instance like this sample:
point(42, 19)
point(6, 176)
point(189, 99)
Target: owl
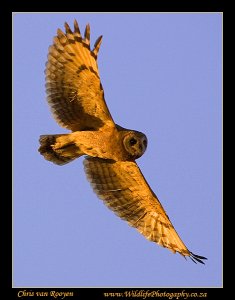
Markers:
point(76, 98)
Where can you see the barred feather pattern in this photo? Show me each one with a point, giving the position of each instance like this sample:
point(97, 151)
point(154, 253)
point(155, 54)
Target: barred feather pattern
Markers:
point(124, 190)
point(74, 90)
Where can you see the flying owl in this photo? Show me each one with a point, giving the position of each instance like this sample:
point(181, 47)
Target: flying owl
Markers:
point(76, 98)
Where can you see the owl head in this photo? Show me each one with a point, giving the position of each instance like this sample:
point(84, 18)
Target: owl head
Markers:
point(135, 143)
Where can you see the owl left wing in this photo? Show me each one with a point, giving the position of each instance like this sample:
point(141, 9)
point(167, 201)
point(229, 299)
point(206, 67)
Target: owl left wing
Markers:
point(123, 188)
point(74, 90)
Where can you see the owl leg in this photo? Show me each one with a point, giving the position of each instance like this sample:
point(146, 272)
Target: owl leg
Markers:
point(58, 148)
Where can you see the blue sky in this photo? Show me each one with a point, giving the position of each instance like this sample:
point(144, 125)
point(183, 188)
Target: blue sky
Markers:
point(162, 75)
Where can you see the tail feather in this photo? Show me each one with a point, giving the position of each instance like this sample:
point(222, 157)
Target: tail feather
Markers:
point(46, 149)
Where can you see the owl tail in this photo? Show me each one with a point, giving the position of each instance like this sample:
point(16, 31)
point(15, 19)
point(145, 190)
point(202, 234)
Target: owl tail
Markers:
point(58, 155)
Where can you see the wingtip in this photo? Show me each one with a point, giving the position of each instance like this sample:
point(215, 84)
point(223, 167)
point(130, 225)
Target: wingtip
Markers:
point(67, 28)
point(87, 32)
point(97, 45)
point(197, 258)
point(76, 27)
point(60, 33)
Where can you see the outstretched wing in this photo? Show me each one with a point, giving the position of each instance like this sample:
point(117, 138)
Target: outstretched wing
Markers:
point(73, 86)
point(123, 188)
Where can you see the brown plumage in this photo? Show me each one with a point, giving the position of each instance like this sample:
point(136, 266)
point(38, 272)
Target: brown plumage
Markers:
point(76, 98)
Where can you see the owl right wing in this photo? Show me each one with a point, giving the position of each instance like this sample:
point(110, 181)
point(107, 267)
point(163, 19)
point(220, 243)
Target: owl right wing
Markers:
point(123, 188)
point(74, 90)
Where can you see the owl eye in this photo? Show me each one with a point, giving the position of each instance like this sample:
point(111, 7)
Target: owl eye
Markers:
point(133, 141)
